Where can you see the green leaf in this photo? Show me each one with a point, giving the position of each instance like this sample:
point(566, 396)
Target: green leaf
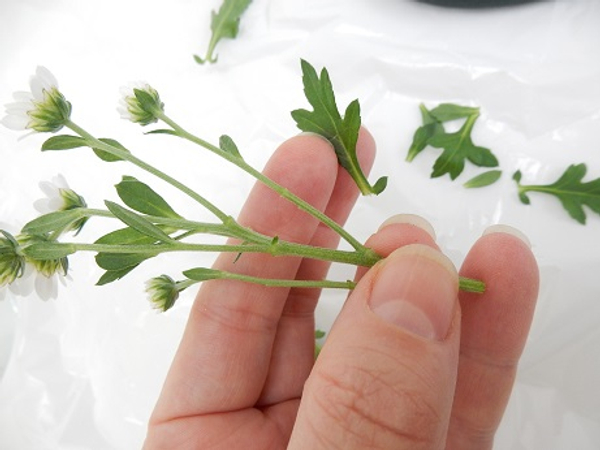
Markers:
point(227, 145)
point(326, 121)
point(458, 148)
point(63, 142)
point(43, 251)
point(224, 24)
point(121, 261)
point(114, 275)
point(162, 131)
point(142, 198)
point(125, 236)
point(106, 156)
point(56, 221)
point(137, 222)
point(572, 192)
point(483, 179)
point(202, 274)
point(446, 112)
point(319, 334)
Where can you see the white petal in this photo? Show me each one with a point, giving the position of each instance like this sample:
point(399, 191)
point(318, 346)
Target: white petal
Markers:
point(19, 108)
point(3, 291)
point(60, 181)
point(46, 287)
point(37, 89)
point(24, 286)
point(48, 188)
point(15, 122)
point(47, 78)
point(41, 206)
point(22, 96)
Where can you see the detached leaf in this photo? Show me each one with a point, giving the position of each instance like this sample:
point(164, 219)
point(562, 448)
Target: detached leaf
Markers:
point(326, 121)
point(484, 179)
point(142, 198)
point(572, 192)
point(137, 222)
point(445, 112)
point(224, 24)
point(63, 142)
point(458, 147)
point(431, 126)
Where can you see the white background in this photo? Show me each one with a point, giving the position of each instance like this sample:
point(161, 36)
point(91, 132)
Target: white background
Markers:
point(83, 371)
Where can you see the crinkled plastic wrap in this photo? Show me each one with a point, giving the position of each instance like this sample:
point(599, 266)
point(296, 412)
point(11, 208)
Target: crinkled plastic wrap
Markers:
point(83, 371)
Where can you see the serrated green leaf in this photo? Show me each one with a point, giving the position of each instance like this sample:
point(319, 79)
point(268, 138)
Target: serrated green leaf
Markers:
point(458, 148)
point(56, 221)
point(63, 142)
point(224, 24)
point(202, 274)
point(572, 192)
point(325, 120)
point(227, 145)
point(106, 156)
point(483, 179)
point(137, 222)
point(140, 197)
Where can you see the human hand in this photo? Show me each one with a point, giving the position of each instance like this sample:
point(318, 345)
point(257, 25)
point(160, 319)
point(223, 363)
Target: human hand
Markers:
point(409, 363)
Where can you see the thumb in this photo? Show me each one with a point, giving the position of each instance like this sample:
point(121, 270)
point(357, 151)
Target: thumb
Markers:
point(386, 375)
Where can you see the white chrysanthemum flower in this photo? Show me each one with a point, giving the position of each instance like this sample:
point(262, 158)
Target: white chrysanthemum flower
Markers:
point(60, 197)
point(43, 109)
point(140, 103)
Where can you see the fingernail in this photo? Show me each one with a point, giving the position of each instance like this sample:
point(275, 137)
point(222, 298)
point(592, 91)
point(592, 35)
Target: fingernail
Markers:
point(416, 289)
point(507, 230)
point(411, 219)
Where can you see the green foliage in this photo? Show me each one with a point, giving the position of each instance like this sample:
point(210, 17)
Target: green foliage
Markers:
point(458, 147)
point(54, 222)
point(572, 192)
point(142, 198)
point(326, 121)
point(137, 222)
point(227, 145)
point(224, 24)
point(63, 142)
point(483, 179)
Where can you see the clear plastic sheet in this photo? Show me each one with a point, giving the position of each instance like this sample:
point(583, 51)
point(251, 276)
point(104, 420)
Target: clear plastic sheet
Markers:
point(83, 371)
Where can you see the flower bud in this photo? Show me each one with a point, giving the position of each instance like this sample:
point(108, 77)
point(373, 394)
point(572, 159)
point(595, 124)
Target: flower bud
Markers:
point(140, 104)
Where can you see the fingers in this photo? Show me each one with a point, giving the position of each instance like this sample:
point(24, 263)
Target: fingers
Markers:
point(386, 376)
point(232, 325)
point(293, 350)
point(494, 329)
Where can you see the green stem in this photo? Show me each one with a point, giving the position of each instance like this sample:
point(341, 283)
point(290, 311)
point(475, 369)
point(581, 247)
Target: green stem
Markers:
point(283, 192)
point(272, 282)
point(274, 249)
point(115, 151)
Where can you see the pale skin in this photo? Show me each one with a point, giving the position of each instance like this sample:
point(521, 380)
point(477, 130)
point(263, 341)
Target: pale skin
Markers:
point(410, 363)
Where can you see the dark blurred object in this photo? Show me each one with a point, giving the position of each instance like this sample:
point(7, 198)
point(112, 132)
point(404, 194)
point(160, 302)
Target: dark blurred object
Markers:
point(477, 3)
